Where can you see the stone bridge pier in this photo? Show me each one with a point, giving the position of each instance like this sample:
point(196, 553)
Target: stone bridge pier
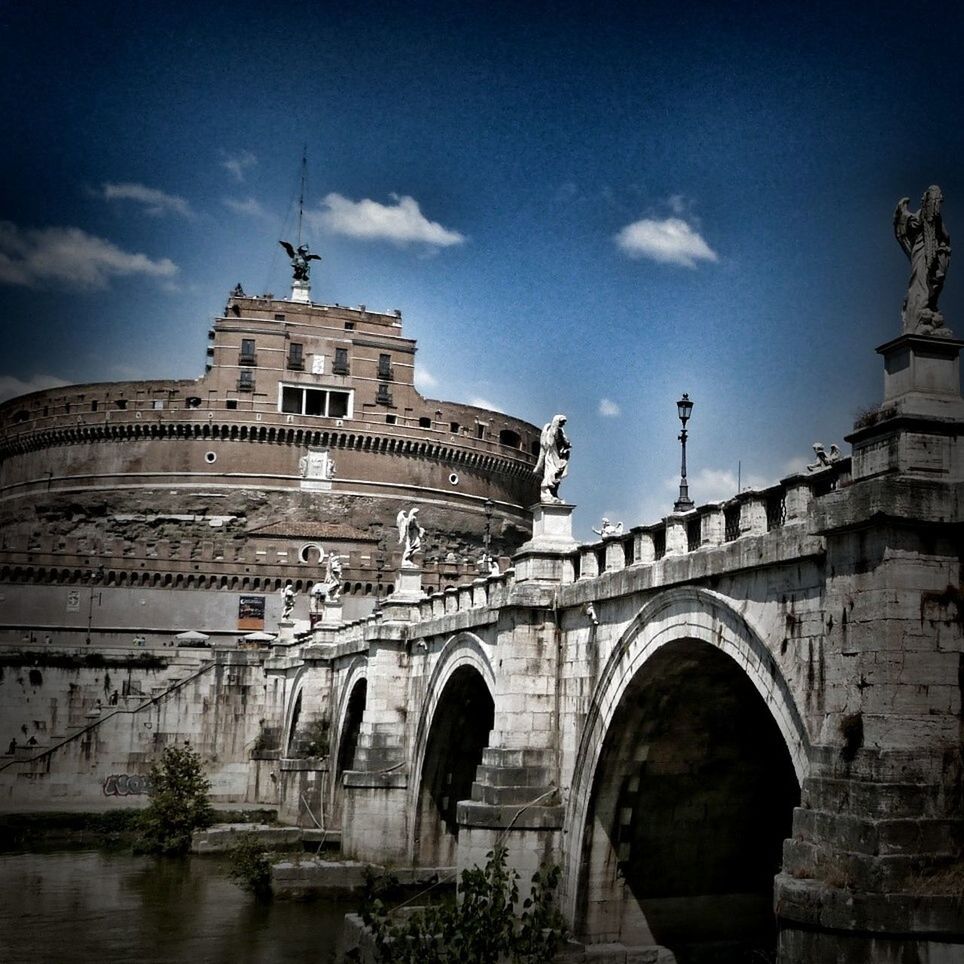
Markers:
point(736, 730)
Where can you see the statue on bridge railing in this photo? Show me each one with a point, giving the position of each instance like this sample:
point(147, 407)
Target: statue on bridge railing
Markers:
point(328, 590)
point(928, 245)
point(410, 536)
point(554, 449)
point(288, 596)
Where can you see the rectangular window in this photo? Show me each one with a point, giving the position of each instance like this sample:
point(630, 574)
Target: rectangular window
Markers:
point(296, 358)
point(338, 404)
point(93, 405)
point(384, 366)
point(340, 366)
point(454, 427)
point(158, 403)
point(247, 349)
point(246, 381)
point(315, 402)
point(383, 397)
point(479, 430)
point(349, 326)
point(231, 403)
point(291, 400)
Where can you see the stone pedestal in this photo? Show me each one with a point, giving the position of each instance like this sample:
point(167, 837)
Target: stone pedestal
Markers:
point(408, 586)
point(301, 292)
point(286, 633)
point(922, 376)
point(547, 556)
point(917, 430)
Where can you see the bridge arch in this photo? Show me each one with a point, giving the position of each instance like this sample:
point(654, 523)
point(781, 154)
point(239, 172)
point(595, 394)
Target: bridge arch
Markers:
point(453, 729)
point(686, 775)
point(345, 730)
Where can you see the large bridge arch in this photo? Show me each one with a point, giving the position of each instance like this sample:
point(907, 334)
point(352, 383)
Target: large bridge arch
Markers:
point(689, 692)
point(453, 729)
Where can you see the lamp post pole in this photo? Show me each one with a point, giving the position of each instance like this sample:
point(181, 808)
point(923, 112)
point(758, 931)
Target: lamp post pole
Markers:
point(684, 503)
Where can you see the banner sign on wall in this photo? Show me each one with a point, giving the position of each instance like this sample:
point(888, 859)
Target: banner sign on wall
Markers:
point(251, 612)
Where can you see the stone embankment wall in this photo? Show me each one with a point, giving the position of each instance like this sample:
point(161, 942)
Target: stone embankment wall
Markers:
point(100, 758)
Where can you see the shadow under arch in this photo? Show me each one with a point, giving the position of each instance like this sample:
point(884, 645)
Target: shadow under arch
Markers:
point(453, 730)
point(691, 729)
point(348, 716)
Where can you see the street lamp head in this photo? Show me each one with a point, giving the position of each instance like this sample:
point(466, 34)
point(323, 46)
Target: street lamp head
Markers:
point(684, 407)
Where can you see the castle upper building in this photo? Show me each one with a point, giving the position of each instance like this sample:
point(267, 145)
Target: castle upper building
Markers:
point(306, 435)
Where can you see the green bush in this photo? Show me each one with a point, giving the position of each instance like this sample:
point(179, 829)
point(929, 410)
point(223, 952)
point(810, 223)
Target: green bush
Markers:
point(250, 868)
point(482, 928)
point(178, 802)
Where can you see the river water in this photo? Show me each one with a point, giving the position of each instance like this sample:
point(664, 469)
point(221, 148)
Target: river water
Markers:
point(97, 906)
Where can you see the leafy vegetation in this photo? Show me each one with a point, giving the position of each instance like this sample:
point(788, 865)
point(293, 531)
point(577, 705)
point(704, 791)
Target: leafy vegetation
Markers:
point(482, 928)
point(250, 868)
point(314, 740)
point(178, 802)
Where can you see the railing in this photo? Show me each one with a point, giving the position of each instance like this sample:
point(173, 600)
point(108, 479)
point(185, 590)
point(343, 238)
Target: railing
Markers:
point(295, 363)
point(246, 359)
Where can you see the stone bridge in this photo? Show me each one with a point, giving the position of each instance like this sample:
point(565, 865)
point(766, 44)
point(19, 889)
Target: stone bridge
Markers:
point(753, 706)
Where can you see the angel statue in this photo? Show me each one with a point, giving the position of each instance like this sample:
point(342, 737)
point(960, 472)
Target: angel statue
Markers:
point(410, 534)
point(300, 268)
point(928, 245)
point(823, 457)
point(554, 449)
point(329, 588)
point(288, 596)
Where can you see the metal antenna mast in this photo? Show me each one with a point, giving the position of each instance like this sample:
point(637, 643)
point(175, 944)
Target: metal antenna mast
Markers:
point(301, 197)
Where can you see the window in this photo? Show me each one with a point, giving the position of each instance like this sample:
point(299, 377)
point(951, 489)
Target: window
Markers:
point(349, 326)
point(340, 366)
point(315, 401)
point(247, 351)
point(510, 438)
point(46, 410)
point(424, 422)
point(296, 358)
point(121, 403)
point(383, 397)
point(231, 403)
point(479, 430)
point(192, 401)
point(391, 419)
point(93, 405)
point(279, 317)
point(384, 366)
point(246, 381)
point(454, 427)
point(158, 403)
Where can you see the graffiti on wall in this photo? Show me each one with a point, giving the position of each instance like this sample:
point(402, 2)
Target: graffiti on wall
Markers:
point(126, 785)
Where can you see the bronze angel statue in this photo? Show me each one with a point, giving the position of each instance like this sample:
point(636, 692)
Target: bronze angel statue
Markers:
point(928, 245)
point(300, 267)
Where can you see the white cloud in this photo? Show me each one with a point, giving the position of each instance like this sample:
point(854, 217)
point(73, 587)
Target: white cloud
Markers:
point(250, 207)
point(478, 402)
point(155, 202)
point(30, 256)
point(11, 386)
point(401, 222)
point(424, 379)
point(716, 485)
point(671, 241)
point(608, 408)
point(237, 164)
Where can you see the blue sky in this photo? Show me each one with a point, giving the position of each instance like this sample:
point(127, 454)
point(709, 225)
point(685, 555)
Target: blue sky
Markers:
point(586, 208)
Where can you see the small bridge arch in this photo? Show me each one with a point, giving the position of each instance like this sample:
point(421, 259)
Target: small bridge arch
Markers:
point(346, 727)
point(453, 730)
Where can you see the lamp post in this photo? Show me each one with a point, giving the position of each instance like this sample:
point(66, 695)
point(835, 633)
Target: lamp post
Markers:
point(684, 503)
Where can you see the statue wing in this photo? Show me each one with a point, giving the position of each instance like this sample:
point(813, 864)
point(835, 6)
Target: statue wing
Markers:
point(287, 246)
point(400, 520)
point(312, 257)
point(901, 216)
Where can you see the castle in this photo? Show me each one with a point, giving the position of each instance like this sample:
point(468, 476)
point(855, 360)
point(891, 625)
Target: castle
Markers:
point(304, 438)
